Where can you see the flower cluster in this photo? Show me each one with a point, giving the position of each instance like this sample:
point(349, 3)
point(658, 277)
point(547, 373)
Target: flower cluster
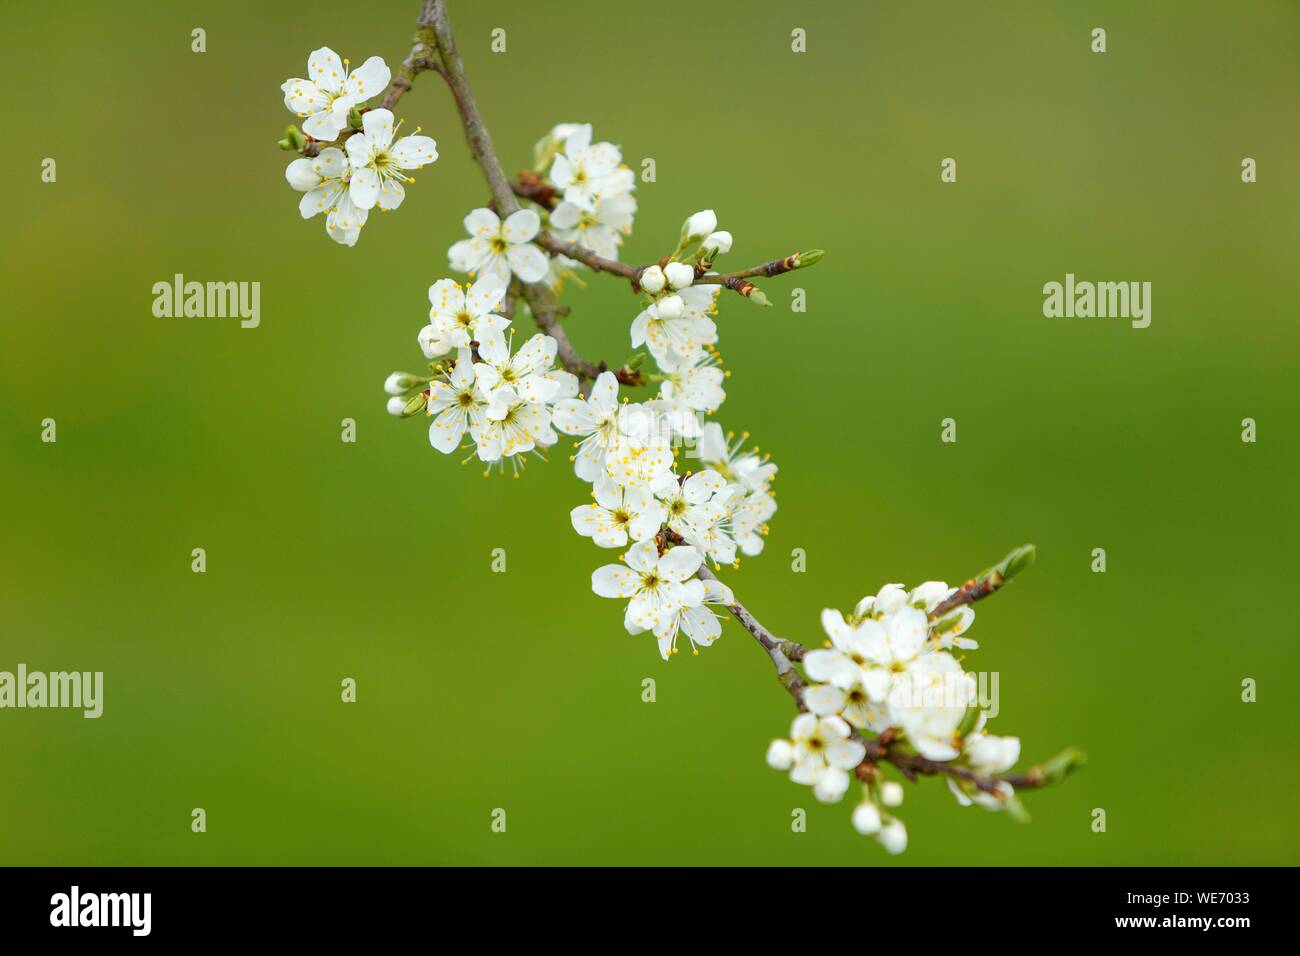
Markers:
point(597, 208)
point(887, 666)
point(512, 404)
point(371, 168)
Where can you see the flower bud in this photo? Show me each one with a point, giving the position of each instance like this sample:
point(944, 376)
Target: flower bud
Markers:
point(717, 243)
point(399, 383)
point(866, 819)
point(293, 139)
point(893, 836)
point(652, 280)
point(699, 225)
point(891, 793)
point(831, 785)
point(671, 307)
point(679, 274)
point(780, 755)
point(406, 407)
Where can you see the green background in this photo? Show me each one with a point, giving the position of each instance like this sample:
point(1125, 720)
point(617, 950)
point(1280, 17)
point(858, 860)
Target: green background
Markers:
point(520, 690)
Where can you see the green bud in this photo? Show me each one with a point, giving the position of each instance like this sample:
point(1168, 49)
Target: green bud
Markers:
point(354, 118)
point(1015, 562)
point(294, 137)
point(636, 360)
point(1059, 767)
point(758, 298)
point(810, 258)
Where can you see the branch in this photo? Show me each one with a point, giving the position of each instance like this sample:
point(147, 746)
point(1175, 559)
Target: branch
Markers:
point(737, 282)
point(540, 299)
point(778, 650)
point(988, 582)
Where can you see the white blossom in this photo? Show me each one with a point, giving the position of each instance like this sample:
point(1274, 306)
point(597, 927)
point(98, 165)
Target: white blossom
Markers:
point(329, 92)
point(324, 180)
point(618, 515)
point(379, 166)
point(820, 754)
point(684, 329)
point(456, 404)
point(588, 172)
point(595, 421)
point(459, 315)
point(601, 229)
point(658, 587)
point(500, 248)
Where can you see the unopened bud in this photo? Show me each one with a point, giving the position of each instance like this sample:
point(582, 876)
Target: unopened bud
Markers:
point(1060, 766)
point(891, 793)
point(780, 755)
point(399, 383)
point(354, 118)
point(635, 361)
point(699, 225)
point(717, 244)
point(757, 297)
point(406, 407)
point(293, 139)
point(1015, 562)
point(652, 280)
point(866, 819)
point(679, 274)
point(893, 836)
point(809, 258)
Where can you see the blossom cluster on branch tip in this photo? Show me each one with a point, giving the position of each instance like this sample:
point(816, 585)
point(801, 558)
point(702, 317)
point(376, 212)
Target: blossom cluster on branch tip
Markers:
point(887, 667)
point(370, 169)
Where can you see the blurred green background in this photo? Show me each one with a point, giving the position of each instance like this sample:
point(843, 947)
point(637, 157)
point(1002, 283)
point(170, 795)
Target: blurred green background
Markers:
point(520, 690)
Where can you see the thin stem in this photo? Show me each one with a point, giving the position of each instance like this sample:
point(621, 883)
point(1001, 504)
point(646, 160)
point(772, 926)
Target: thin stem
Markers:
point(778, 650)
point(540, 299)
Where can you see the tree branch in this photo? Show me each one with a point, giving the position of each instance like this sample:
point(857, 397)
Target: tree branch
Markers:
point(778, 650)
point(540, 299)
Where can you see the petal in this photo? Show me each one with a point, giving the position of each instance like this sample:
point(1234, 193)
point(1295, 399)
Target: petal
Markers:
point(364, 188)
point(301, 175)
point(642, 556)
point(446, 431)
point(360, 151)
point(323, 126)
point(483, 224)
point(303, 96)
point(326, 69)
point(615, 581)
point(521, 226)
point(377, 126)
point(528, 262)
point(467, 255)
point(322, 199)
point(484, 295)
point(369, 79)
point(823, 699)
point(391, 194)
point(412, 152)
point(565, 216)
point(680, 563)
